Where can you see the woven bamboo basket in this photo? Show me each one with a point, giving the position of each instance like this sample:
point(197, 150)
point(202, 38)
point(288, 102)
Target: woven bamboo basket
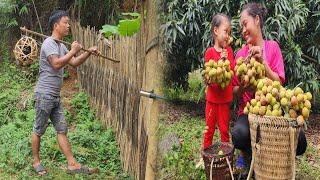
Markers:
point(26, 50)
point(218, 167)
point(274, 143)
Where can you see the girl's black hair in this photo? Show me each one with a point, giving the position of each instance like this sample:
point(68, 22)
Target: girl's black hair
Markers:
point(217, 20)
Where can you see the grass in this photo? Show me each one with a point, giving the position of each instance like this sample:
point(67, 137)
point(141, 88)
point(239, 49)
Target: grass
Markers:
point(92, 144)
point(181, 163)
point(308, 165)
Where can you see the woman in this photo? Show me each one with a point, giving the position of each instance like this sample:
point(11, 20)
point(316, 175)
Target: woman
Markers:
point(251, 22)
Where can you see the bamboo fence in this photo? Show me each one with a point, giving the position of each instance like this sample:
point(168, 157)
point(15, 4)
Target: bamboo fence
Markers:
point(114, 89)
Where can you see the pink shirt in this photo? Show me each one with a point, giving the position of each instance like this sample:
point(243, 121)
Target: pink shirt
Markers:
point(273, 56)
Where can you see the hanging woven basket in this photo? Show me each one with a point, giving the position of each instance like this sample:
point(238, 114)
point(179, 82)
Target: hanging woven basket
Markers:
point(26, 50)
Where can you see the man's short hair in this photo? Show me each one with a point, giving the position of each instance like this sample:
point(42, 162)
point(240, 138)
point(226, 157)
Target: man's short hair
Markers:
point(55, 17)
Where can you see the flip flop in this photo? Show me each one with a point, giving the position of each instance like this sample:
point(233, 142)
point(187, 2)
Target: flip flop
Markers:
point(82, 170)
point(40, 168)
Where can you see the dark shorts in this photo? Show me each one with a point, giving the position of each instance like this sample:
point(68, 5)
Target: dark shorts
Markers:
point(49, 107)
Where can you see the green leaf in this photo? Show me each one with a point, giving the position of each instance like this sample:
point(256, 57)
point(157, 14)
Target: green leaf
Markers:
point(132, 14)
point(23, 10)
point(180, 29)
point(129, 27)
point(109, 30)
point(126, 27)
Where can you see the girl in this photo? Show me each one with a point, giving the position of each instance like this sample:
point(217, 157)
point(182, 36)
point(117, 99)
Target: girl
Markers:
point(217, 99)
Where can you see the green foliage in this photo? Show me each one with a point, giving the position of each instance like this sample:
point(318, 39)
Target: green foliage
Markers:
point(109, 11)
point(308, 163)
point(7, 8)
point(129, 27)
point(195, 80)
point(294, 24)
point(66, 74)
point(126, 27)
point(195, 91)
point(196, 87)
point(109, 30)
point(92, 144)
point(82, 108)
point(68, 38)
point(30, 72)
point(16, 81)
point(181, 163)
point(173, 93)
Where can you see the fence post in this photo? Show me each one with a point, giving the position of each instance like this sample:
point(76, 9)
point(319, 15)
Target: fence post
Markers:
point(152, 81)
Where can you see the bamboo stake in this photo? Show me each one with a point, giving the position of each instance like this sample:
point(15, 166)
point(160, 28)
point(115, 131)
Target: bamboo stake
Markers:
point(64, 42)
point(153, 68)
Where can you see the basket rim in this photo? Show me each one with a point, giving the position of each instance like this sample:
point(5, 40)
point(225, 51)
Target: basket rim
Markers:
point(276, 117)
point(230, 153)
point(273, 119)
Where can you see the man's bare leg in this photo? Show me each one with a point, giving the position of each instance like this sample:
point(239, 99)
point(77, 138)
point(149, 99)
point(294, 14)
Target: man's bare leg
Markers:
point(66, 150)
point(35, 145)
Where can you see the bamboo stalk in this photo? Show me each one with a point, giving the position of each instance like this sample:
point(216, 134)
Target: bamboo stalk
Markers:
point(64, 42)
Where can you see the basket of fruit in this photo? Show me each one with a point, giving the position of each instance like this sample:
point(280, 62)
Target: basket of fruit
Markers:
point(218, 160)
point(276, 115)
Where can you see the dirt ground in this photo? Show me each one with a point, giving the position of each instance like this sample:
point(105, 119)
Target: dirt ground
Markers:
point(70, 87)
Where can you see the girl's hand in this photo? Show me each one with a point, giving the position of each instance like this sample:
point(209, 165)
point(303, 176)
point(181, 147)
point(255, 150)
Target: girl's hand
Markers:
point(224, 54)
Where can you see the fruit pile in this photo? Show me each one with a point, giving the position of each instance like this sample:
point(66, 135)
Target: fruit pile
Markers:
point(271, 99)
point(217, 72)
point(249, 70)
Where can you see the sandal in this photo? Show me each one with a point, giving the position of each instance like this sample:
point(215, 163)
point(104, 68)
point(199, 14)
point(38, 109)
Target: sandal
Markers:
point(241, 163)
point(40, 170)
point(82, 170)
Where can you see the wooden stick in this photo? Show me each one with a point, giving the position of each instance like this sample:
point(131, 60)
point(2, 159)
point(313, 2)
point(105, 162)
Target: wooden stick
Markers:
point(310, 59)
point(64, 42)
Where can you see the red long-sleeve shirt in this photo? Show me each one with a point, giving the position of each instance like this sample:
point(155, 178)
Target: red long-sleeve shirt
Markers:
point(215, 93)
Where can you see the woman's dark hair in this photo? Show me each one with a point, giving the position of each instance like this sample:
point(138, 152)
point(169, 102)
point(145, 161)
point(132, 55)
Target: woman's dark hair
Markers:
point(256, 9)
point(217, 20)
point(55, 17)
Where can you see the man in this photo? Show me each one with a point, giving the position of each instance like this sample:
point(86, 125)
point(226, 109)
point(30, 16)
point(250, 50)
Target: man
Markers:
point(54, 56)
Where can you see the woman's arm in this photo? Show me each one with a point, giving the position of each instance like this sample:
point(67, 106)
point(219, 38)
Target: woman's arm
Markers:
point(271, 74)
point(257, 53)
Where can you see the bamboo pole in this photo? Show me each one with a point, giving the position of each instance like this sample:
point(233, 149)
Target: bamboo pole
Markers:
point(152, 81)
point(64, 42)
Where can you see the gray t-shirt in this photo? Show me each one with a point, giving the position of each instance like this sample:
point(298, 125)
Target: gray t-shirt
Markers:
point(50, 80)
